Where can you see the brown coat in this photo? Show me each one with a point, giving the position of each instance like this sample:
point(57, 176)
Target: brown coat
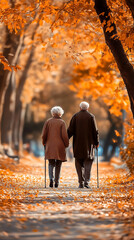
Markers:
point(85, 134)
point(55, 139)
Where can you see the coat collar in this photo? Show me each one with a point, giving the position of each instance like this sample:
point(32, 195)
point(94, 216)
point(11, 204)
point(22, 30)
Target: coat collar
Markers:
point(83, 110)
point(57, 117)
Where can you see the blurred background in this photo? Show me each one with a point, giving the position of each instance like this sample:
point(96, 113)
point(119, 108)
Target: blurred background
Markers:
point(45, 63)
point(60, 94)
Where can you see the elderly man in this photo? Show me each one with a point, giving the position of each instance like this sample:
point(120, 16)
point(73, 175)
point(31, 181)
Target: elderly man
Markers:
point(85, 138)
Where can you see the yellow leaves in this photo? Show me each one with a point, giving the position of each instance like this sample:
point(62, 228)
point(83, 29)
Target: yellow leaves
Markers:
point(60, 197)
point(117, 133)
point(66, 205)
point(4, 61)
point(127, 153)
point(15, 68)
point(48, 67)
point(103, 23)
point(4, 4)
point(23, 219)
point(7, 67)
point(37, 193)
point(6, 64)
point(96, 80)
point(109, 29)
point(44, 44)
point(15, 17)
point(73, 88)
point(41, 22)
point(35, 230)
point(131, 192)
point(5, 233)
point(54, 45)
point(102, 14)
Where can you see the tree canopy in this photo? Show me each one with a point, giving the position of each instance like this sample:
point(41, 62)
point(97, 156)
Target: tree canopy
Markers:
point(96, 37)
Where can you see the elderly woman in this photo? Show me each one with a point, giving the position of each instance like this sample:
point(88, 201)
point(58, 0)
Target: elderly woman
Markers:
point(55, 140)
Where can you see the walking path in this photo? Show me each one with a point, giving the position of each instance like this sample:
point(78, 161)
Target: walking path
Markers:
point(28, 211)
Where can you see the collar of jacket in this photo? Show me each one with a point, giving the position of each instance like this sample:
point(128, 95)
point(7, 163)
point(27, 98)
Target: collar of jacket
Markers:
point(56, 117)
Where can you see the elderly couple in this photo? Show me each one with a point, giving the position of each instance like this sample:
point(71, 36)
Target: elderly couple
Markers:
point(55, 138)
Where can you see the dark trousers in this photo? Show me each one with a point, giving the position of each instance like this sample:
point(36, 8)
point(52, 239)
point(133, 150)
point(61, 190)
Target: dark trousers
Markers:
point(83, 170)
point(57, 165)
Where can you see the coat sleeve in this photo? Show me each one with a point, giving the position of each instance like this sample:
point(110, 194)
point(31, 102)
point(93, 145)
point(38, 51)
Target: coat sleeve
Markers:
point(64, 135)
point(44, 133)
point(95, 132)
point(71, 128)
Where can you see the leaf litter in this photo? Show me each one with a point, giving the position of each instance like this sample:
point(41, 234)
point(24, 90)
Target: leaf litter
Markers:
point(67, 212)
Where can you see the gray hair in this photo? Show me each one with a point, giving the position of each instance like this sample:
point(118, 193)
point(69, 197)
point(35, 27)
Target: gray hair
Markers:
point(57, 110)
point(84, 105)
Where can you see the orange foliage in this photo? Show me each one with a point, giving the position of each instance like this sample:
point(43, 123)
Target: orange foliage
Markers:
point(4, 61)
point(103, 81)
point(23, 195)
point(69, 23)
point(127, 153)
point(100, 79)
point(74, 31)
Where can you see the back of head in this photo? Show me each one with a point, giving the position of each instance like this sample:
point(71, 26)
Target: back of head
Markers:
point(84, 105)
point(57, 111)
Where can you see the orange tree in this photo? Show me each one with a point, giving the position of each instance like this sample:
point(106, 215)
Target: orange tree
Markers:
point(75, 25)
point(102, 82)
point(76, 17)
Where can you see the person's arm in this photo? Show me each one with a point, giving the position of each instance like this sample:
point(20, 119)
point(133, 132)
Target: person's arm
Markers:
point(44, 133)
point(64, 135)
point(71, 128)
point(95, 133)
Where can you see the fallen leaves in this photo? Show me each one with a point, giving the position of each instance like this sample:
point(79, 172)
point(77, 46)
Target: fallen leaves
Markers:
point(23, 194)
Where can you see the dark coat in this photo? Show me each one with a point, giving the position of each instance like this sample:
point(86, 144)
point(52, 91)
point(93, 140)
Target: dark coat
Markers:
point(85, 134)
point(55, 139)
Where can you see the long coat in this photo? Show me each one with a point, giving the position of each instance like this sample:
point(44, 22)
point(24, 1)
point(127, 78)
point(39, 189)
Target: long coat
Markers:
point(55, 139)
point(85, 134)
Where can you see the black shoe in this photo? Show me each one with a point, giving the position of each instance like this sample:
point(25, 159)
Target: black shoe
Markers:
point(51, 184)
point(86, 185)
point(56, 185)
point(81, 185)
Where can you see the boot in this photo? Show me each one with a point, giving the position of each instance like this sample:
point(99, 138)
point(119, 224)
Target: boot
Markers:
point(51, 183)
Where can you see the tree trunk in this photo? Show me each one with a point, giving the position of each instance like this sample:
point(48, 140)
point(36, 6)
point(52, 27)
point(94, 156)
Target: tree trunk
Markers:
point(10, 93)
point(9, 53)
point(111, 140)
point(18, 103)
point(16, 124)
point(21, 127)
point(8, 113)
point(113, 42)
point(19, 92)
point(108, 143)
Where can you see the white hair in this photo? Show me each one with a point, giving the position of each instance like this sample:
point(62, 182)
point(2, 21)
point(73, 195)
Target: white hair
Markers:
point(84, 105)
point(57, 110)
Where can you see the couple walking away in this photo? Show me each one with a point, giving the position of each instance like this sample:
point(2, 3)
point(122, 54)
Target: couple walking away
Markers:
point(55, 138)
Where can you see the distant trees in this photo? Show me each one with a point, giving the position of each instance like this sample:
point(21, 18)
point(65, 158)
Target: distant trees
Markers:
point(72, 29)
point(12, 113)
point(11, 53)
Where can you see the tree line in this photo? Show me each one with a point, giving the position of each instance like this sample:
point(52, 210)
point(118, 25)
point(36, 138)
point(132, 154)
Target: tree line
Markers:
point(58, 25)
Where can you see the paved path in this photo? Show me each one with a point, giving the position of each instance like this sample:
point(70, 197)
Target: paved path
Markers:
point(36, 213)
